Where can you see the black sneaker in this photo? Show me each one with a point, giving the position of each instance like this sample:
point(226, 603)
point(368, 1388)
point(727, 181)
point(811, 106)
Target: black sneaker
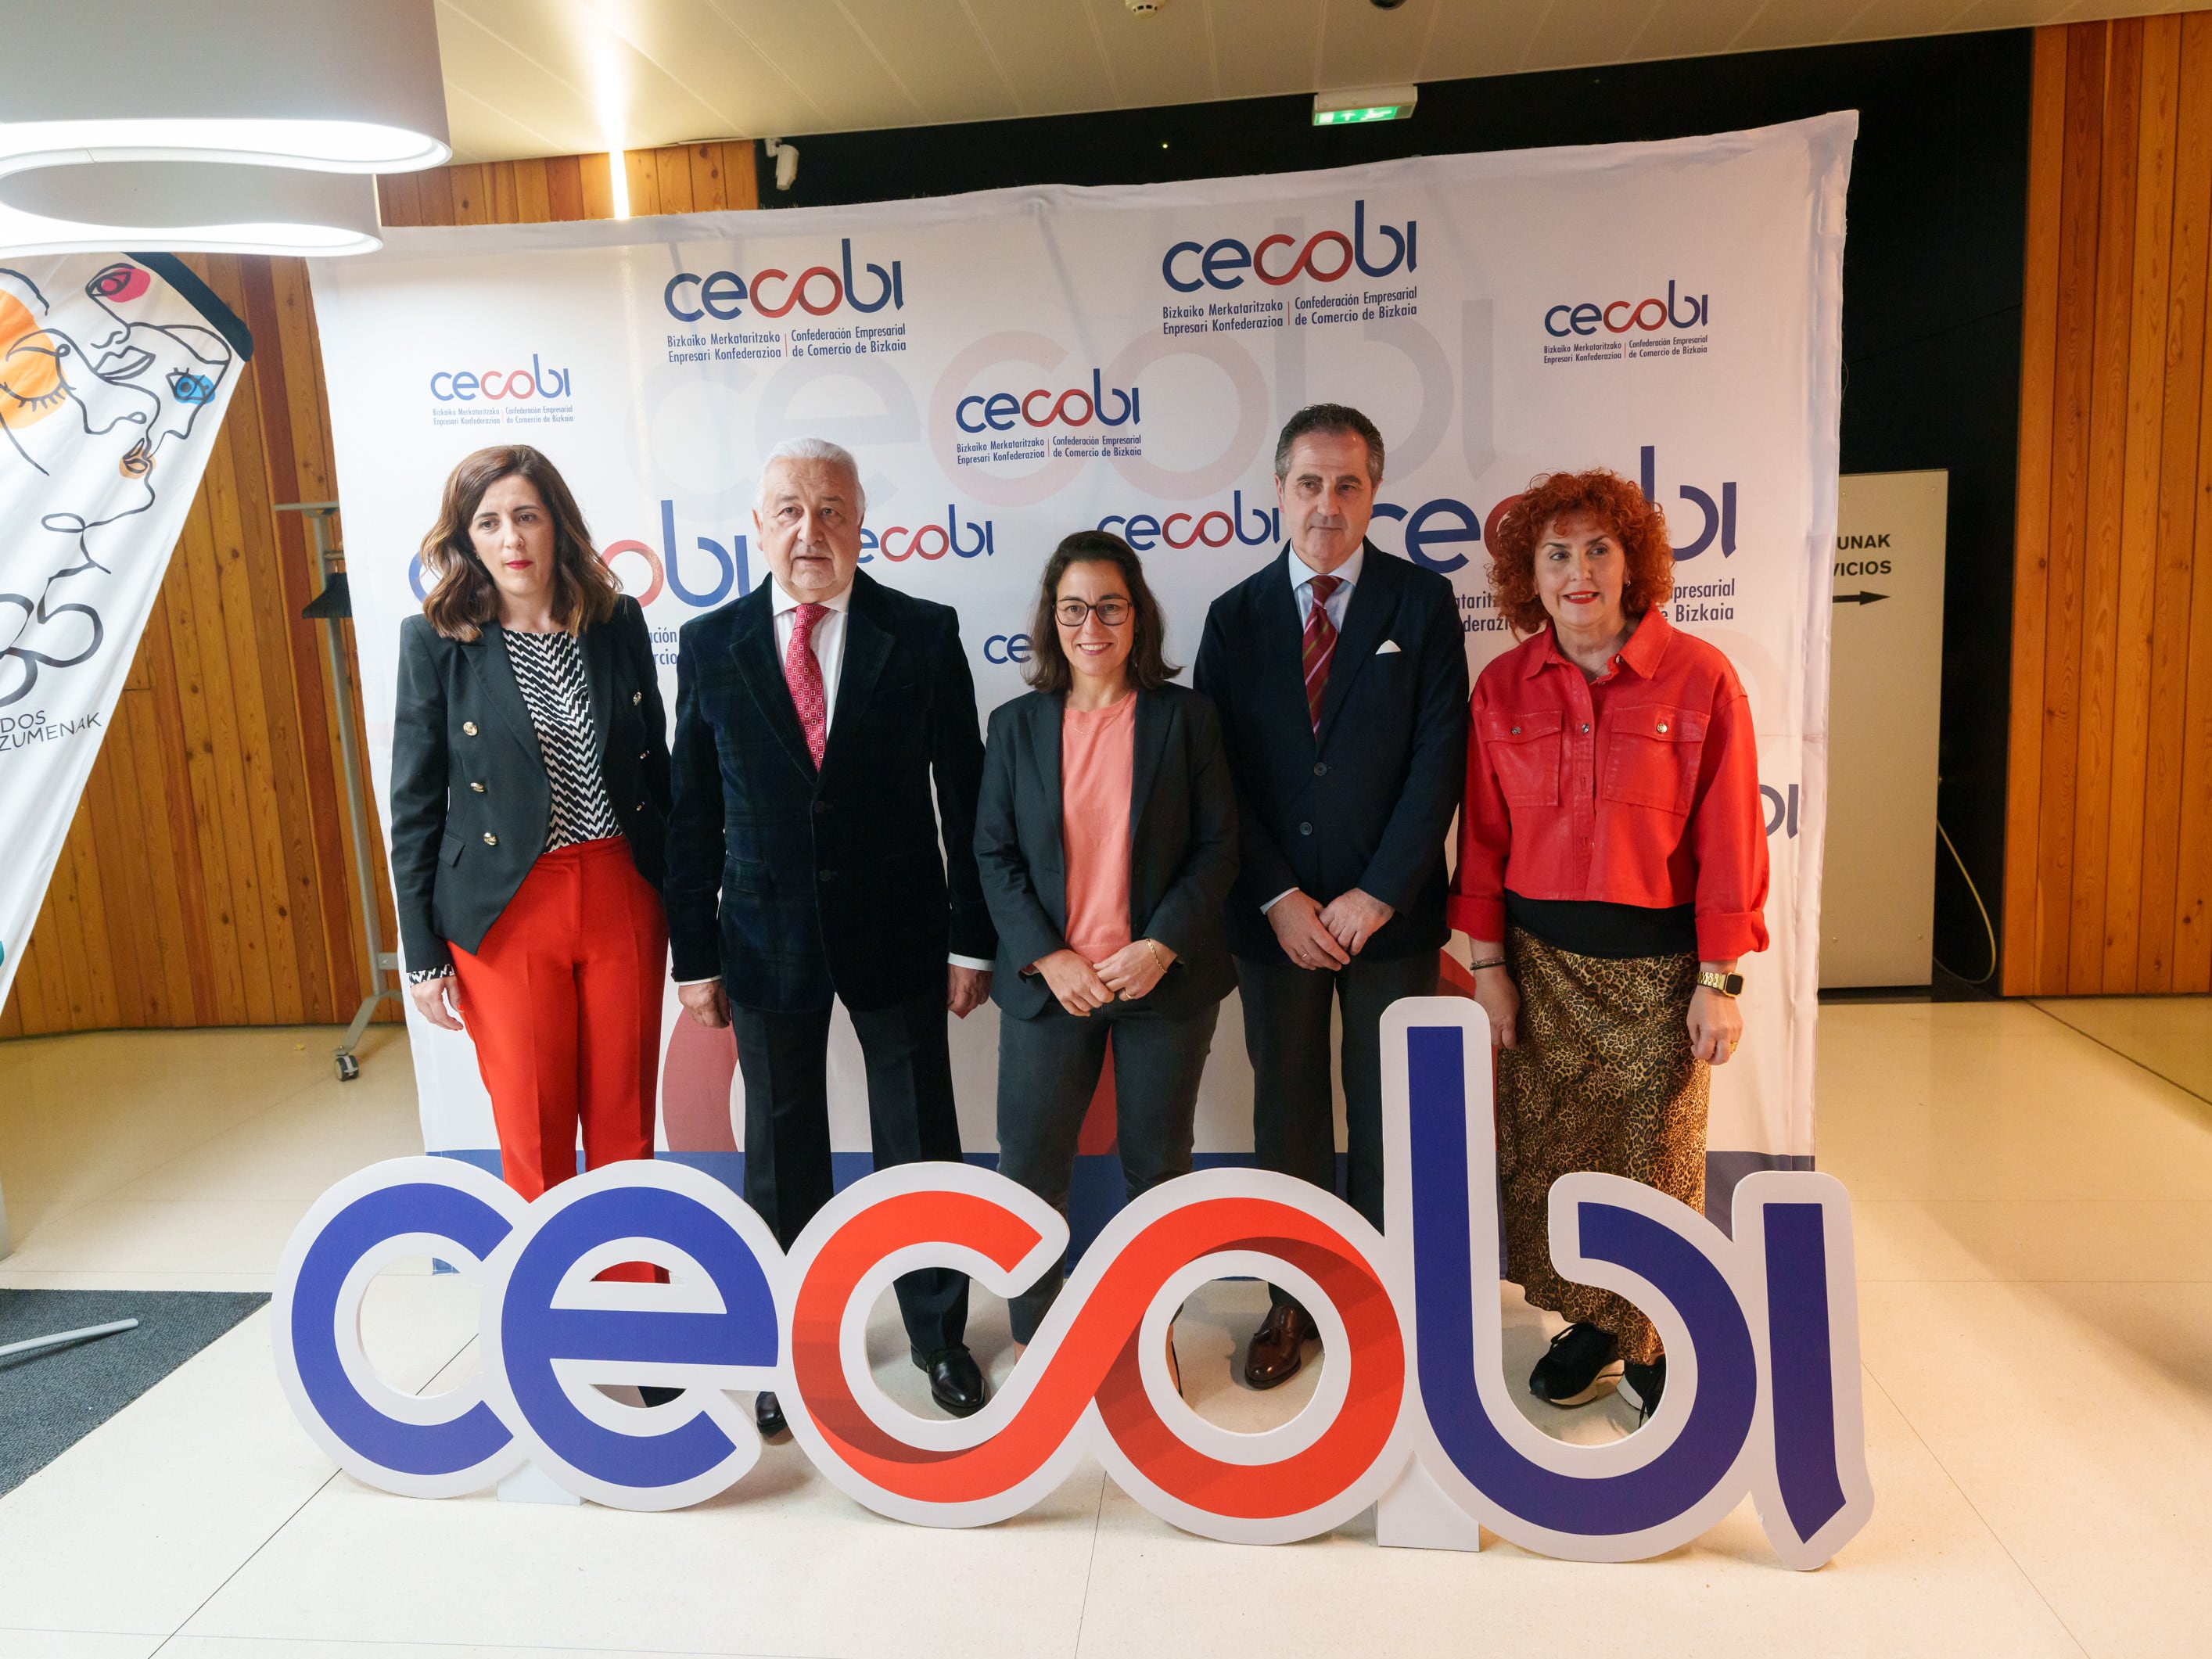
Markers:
point(1579, 1367)
point(1642, 1385)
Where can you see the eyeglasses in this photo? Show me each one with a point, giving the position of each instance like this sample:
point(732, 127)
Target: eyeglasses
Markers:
point(1073, 612)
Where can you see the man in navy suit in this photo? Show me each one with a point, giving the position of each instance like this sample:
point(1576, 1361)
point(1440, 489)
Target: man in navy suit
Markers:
point(1340, 677)
point(826, 741)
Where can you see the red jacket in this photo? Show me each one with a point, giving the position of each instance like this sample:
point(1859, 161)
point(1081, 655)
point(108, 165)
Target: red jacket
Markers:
point(1639, 787)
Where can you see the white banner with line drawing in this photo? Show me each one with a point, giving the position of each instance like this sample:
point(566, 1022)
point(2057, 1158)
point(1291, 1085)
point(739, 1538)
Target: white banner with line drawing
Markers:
point(115, 371)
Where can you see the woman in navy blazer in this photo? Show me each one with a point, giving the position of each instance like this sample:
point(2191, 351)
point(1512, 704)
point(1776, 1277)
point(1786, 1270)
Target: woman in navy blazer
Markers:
point(529, 801)
point(1106, 838)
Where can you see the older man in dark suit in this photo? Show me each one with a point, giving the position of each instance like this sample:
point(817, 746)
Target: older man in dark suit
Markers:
point(813, 717)
point(1340, 677)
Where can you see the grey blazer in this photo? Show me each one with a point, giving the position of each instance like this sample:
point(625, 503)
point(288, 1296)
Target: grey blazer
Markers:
point(470, 804)
point(1183, 847)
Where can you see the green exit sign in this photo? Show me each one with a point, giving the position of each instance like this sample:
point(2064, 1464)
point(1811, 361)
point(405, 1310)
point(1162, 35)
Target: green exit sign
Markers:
point(1353, 107)
point(1344, 118)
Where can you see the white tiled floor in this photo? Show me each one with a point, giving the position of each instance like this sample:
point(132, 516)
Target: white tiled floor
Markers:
point(2170, 1036)
point(2035, 1235)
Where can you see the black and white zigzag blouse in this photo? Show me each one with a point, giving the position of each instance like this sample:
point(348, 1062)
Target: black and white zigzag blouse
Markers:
point(550, 669)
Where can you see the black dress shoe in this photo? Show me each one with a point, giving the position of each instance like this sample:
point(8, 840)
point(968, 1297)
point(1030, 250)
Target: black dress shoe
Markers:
point(653, 1396)
point(768, 1416)
point(1576, 1368)
point(1278, 1347)
point(955, 1382)
point(1642, 1385)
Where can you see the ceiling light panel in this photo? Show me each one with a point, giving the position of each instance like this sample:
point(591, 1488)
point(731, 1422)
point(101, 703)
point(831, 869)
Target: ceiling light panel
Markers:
point(214, 207)
point(339, 85)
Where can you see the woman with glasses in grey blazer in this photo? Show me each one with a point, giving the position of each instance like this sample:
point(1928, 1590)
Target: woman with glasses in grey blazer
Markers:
point(1106, 836)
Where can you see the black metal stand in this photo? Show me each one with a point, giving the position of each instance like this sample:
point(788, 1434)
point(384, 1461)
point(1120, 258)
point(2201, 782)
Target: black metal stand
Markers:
point(332, 604)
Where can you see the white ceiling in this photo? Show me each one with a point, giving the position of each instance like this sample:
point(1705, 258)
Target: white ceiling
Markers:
point(553, 77)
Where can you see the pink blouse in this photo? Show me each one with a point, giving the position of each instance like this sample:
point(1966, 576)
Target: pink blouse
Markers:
point(1098, 758)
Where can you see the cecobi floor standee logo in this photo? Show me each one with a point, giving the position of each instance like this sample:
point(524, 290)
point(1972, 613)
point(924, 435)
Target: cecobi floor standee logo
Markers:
point(1411, 1411)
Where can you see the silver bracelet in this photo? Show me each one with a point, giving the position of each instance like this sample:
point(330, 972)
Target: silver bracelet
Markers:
point(1487, 962)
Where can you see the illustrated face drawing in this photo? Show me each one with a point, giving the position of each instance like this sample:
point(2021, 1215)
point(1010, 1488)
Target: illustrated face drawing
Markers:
point(93, 386)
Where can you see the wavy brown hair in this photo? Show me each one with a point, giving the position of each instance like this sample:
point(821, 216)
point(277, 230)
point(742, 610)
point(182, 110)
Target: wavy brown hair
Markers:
point(1614, 502)
point(1048, 669)
point(463, 596)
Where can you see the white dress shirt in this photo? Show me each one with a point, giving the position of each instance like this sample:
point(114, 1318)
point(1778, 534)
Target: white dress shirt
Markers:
point(1346, 573)
point(1302, 590)
point(828, 639)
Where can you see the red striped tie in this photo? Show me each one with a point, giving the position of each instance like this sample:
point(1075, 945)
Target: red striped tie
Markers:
point(1320, 644)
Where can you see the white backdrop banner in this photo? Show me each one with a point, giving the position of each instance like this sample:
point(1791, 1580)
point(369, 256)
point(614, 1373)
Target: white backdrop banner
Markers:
point(114, 374)
point(1014, 365)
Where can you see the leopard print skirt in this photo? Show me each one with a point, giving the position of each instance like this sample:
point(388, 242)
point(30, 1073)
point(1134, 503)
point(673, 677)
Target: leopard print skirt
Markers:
point(1603, 1079)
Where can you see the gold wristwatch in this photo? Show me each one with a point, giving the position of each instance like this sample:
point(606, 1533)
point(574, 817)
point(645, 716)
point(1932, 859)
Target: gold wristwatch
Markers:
point(1728, 985)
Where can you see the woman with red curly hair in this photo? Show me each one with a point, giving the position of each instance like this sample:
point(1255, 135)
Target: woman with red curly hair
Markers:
point(1612, 869)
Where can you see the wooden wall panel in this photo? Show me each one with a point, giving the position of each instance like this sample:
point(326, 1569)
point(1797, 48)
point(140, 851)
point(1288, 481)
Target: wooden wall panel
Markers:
point(703, 178)
point(2165, 683)
point(2032, 509)
point(207, 879)
point(2111, 757)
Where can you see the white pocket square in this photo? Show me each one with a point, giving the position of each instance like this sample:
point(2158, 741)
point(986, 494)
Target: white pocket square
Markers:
point(1386, 648)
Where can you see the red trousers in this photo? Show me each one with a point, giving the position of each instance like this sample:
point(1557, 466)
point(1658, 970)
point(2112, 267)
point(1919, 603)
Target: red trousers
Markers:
point(563, 999)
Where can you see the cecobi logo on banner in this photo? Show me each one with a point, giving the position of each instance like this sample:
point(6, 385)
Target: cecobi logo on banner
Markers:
point(1045, 406)
point(1614, 331)
point(466, 386)
point(974, 539)
point(1084, 422)
point(771, 291)
point(1326, 256)
point(1254, 523)
point(503, 394)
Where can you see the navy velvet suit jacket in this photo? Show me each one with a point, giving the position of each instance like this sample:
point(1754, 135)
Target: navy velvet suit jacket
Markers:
point(796, 887)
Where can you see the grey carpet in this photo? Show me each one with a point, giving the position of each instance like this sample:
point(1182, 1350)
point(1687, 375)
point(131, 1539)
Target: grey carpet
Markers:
point(51, 1400)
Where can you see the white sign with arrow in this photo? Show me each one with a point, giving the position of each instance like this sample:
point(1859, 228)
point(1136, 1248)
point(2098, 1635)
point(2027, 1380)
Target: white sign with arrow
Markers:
point(1885, 706)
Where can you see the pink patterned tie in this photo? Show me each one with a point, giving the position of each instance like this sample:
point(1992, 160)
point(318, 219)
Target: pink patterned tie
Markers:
point(803, 674)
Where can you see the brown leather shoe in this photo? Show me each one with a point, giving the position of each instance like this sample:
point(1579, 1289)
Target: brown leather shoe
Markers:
point(1277, 1349)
